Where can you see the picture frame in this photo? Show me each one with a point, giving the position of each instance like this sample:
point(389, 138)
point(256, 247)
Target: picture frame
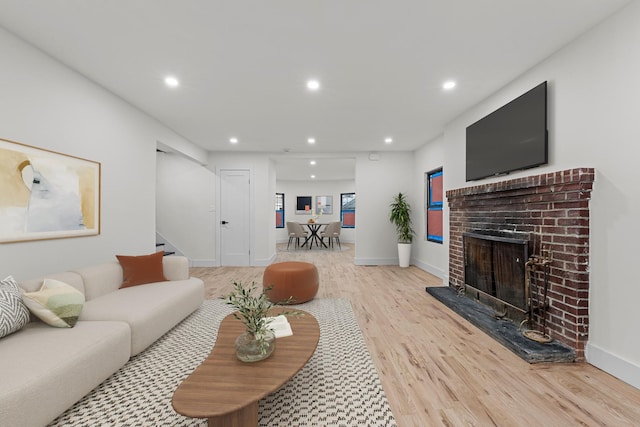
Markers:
point(303, 205)
point(324, 205)
point(46, 194)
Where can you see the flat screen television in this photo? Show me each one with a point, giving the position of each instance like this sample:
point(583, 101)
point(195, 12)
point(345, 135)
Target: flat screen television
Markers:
point(513, 137)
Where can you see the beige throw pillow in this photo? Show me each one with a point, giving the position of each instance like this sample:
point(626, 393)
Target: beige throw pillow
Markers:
point(56, 303)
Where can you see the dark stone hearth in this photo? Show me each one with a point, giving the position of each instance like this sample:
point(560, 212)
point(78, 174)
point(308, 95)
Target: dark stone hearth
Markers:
point(504, 331)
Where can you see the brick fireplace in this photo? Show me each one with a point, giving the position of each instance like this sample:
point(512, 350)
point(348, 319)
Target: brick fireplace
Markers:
point(552, 210)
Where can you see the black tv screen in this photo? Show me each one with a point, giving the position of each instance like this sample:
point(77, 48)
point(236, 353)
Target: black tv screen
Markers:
point(511, 138)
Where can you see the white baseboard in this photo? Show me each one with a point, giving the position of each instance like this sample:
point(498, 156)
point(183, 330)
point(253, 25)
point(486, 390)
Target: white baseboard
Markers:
point(265, 261)
point(203, 263)
point(215, 263)
point(430, 269)
point(375, 261)
point(614, 365)
point(394, 261)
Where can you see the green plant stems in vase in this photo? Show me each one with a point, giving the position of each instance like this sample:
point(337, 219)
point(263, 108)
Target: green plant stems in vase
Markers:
point(401, 217)
point(259, 341)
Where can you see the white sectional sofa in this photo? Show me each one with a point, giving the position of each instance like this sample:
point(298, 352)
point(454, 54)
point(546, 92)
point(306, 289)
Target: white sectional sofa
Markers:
point(44, 370)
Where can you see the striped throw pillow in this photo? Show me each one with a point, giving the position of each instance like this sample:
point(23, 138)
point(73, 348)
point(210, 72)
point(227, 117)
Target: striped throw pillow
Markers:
point(14, 315)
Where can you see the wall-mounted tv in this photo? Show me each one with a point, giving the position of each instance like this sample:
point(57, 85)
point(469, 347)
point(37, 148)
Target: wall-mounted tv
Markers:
point(511, 138)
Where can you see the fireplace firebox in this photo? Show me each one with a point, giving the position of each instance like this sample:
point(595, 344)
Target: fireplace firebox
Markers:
point(494, 271)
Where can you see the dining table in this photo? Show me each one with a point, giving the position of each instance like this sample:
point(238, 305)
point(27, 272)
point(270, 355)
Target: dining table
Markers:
point(314, 228)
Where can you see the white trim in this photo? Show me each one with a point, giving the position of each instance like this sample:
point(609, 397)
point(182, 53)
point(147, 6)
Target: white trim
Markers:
point(438, 272)
point(614, 365)
point(264, 261)
point(204, 263)
point(376, 261)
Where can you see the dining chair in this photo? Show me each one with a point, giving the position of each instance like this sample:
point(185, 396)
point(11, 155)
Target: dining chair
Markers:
point(332, 231)
point(296, 231)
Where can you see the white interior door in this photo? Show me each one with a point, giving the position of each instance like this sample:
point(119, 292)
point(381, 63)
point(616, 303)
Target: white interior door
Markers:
point(235, 236)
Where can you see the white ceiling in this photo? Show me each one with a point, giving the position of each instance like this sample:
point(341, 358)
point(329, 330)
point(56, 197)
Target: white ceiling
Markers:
point(243, 64)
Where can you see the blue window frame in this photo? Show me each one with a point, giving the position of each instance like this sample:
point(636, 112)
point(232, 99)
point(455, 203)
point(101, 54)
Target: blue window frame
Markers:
point(433, 206)
point(279, 210)
point(348, 210)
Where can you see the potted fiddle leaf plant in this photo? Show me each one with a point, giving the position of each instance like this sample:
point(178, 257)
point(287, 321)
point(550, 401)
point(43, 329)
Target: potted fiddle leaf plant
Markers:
point(400, 216)
point(252, 309)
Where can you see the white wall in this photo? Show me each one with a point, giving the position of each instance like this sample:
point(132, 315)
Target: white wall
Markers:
point(271, 231)
point(292, 189)
point(377, 182)
point(47, 105)
point(594, 100)
point(185, 207)
point(429, 256)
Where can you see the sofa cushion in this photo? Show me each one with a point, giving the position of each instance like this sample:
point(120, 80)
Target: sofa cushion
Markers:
point(175, 267)
point(140, 270)
point(100, 279)
point(56, 303)
point(150, 310)
point(14, 315)
point(45, 370)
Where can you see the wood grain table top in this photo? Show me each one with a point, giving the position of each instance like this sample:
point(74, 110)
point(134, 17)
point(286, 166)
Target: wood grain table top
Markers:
point(222, 384)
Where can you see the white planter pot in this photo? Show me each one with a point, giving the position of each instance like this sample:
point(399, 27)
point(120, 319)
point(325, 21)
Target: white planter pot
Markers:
point(404, 254)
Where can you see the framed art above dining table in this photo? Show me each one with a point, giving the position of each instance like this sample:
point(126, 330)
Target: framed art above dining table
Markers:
point(324, 205)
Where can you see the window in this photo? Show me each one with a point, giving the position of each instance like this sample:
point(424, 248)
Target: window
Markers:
point(279, 210)
point(348, 210)
point(433, 205)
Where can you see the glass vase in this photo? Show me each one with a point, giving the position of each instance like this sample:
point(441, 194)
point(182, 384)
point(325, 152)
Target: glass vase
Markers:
point(252, 348)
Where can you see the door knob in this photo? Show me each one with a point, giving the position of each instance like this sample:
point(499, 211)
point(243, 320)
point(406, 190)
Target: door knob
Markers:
point(224, 222)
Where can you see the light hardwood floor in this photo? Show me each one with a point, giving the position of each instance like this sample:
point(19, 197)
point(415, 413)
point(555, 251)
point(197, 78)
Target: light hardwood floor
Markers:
point(439, 370)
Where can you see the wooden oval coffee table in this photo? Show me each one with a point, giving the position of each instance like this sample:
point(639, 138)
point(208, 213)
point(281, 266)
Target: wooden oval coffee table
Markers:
point(226, 391)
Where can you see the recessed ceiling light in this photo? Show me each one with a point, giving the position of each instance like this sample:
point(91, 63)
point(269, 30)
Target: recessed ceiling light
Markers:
point(313, 177)
point(312, 162)
point(171, 81)
point(233, 140)
point(313, 85)
point(448, 85)
point(388, 140)
point(311, 140)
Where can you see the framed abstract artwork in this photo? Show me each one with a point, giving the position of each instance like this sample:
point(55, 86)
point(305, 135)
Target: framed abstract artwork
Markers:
point(324, 205)
point(303, 205)
point(46, 195)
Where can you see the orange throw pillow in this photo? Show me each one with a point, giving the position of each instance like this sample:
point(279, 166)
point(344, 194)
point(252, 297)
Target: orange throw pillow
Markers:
point(138, 270)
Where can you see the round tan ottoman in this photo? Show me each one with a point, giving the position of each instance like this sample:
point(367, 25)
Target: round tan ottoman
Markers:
point(295, 279)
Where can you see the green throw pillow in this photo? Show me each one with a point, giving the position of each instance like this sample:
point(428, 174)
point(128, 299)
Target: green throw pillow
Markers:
point(56, 303)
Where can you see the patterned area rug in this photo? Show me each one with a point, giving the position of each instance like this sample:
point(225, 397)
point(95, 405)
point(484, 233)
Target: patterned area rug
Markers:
point(339, 386)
